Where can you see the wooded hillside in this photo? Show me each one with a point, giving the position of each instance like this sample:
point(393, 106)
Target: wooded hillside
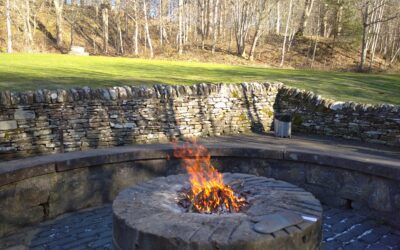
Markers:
point(329, 34)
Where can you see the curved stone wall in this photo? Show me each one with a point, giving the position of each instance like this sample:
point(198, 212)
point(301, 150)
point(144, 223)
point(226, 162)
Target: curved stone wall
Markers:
point(56, 121)
point(36, 189)
point(316, 115)
point(46, 122)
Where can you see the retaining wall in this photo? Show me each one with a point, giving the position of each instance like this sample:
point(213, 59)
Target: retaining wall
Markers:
point(45, 122)
point(316, 115)
point(69, 120)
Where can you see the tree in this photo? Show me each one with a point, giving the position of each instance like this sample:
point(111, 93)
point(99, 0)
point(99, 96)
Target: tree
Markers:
point(261, 14)
point(117, 15)
point(180, 27)
point(58, 5)
point(215, 26)
point(9, 33)
point(371, 16)
point(146, 29)
point(278, 18)
point(160, 13)
point(286, 33)
point(104, 14)
point(308, 5)
point(241, 22)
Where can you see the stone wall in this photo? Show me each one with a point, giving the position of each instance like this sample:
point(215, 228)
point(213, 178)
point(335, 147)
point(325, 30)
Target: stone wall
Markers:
point(313, 114)
point(34, 190)
point(47, 121)
point(55, 121)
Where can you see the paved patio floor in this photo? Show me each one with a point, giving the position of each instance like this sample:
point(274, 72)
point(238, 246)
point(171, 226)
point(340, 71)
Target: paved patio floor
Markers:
point(92, 229)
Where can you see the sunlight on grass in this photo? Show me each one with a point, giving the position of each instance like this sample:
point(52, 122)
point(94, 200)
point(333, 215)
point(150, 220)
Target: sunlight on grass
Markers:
point(20, 72)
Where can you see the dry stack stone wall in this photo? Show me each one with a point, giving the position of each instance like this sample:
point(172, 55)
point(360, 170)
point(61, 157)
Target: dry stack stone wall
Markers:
point(52, 121)
point(313, 114)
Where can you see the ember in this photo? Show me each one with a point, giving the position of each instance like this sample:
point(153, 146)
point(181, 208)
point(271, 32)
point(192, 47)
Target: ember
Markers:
point(207, 193)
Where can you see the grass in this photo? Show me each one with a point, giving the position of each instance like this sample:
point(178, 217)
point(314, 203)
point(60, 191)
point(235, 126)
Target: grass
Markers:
point(19, 72)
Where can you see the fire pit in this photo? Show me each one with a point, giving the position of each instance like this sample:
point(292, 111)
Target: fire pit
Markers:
point(210, 210)
point(279, 215)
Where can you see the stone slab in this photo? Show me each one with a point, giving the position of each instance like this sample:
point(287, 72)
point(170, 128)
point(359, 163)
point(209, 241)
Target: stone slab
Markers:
point(276, 221)
point(8, 125)
point(21, 114)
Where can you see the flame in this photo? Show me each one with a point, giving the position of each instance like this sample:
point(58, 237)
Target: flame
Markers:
point(208, 192)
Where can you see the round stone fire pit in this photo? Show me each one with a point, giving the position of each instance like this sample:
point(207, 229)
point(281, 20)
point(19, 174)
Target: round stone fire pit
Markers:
point(279, 216)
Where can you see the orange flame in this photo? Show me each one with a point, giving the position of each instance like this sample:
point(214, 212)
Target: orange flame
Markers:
point(208, 192)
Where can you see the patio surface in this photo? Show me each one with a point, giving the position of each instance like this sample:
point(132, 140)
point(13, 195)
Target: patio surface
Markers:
point(92, 229)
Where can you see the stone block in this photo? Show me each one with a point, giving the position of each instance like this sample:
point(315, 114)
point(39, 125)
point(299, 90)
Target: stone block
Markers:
point(379, 198)
point(21, 114)
point(8, 125)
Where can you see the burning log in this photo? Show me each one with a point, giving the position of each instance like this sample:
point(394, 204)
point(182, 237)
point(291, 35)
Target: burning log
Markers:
point(207, 193)
point(217, 201)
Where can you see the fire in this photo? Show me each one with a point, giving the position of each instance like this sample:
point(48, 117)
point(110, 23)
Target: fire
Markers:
point(208, 193)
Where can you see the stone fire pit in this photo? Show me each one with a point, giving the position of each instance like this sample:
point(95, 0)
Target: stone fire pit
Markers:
point(279, 216)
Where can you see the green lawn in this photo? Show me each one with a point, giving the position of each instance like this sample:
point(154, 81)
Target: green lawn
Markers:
point(32, 71)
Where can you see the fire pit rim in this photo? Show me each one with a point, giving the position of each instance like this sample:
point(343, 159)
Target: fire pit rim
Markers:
point(126, 221)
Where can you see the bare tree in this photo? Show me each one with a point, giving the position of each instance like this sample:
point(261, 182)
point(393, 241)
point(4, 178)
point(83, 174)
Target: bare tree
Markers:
point(146, 29)
point(278, 18)
point(308, 5)
point(72, 19)
point(180, 27)
point(24, 11)
point(58, 5)
point(160, 13)
point(286, 32)
point(9, 33)
point(241, 19)
point(104, 14)
point(261, 14)
point(117, 15)
point(370, 18)
point(215, 26)
point(201, 7)
point(135, 37)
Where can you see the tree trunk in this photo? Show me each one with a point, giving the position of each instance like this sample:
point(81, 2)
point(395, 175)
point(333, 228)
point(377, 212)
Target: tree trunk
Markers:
point(376, 33)
point(136, 31)
point(27, 26)
point(117, 14)
point(339, 17)
point(120, 38)
point(104, 12)
point(215, 27)
point(308, 5)
point(71, 36)
point(286, 31)
point(59, 4)
point(254, 44)
point(146, 29)
point(324, 27)
point(9, 33)
point(160, 13)
point(241, 18)
point(180, 28)
point(202, 26)
point(364, 47)
point(278, 19)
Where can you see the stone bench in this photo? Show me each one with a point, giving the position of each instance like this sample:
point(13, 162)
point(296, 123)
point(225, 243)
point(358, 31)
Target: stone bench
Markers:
point(40, 188)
